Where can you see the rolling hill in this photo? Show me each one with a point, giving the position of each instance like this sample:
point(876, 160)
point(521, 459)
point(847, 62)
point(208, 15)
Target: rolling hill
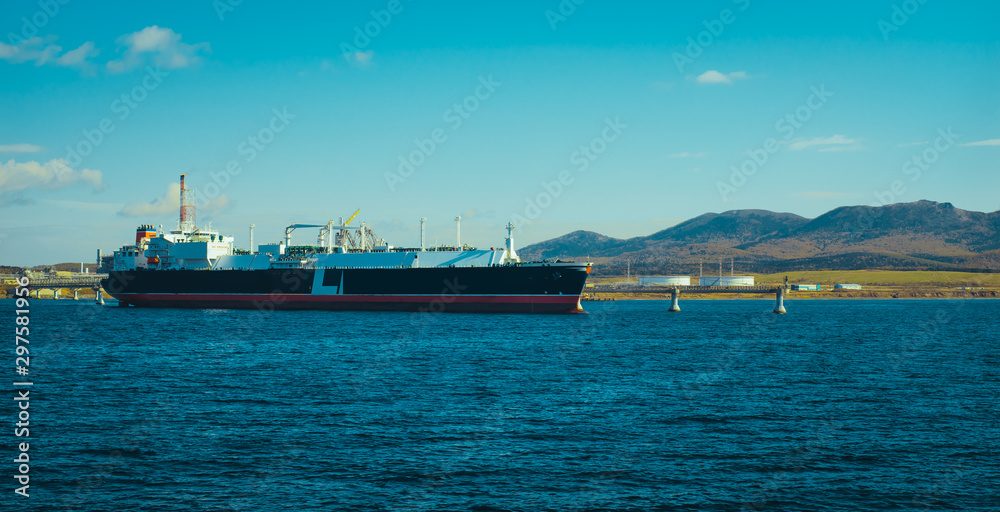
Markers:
point(919, 235)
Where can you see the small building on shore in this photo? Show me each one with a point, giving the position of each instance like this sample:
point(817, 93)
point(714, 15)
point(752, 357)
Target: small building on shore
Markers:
point(806, 287)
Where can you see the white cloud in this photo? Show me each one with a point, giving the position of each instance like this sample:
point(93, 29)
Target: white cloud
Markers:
point(908, 144)
point(33, 49)
point(79, 56)
point(159, 46)
point(685, 154)
point(20, 148)
point(716, 77)
point(170, 203)
point(836, 140)
point(45, 51)
point(360, 58)
point(18, 178)
point(990, 142)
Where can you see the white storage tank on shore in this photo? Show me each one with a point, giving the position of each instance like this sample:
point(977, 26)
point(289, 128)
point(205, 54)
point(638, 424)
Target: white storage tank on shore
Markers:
point(664, 280)
point(725, 281)
point(847, 286)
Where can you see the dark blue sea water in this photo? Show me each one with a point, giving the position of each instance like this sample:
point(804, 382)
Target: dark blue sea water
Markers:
point(838, 405)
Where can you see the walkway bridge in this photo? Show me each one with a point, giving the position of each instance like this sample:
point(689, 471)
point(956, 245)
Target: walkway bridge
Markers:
point(75, 283)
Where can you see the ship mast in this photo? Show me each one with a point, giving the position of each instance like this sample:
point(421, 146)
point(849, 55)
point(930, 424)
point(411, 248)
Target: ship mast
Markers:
point(423, 220)
point(511, 255)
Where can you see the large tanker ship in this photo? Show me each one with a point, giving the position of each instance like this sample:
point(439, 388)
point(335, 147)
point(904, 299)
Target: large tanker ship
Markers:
point(348, 268)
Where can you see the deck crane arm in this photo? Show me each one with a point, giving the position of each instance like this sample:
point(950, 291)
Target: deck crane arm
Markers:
point(352, 217)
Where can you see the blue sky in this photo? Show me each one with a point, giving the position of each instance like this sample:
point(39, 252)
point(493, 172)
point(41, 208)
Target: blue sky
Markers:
point(617, 117)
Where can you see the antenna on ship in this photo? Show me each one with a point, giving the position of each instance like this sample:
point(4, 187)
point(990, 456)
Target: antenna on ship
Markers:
point(458, 232)
point(187, 208)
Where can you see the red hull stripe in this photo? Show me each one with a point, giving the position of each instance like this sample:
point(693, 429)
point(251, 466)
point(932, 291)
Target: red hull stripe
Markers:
point(478, 299)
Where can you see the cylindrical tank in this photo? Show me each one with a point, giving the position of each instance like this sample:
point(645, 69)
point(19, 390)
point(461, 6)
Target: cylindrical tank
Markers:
point(726, 281)
point(664, 281)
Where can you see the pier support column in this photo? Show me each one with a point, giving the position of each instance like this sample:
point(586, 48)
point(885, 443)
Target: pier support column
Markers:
point(779, 303)
point(100, 297)
point(674, 296)
point(55, 294)
point(76, 294)
point(38, 293)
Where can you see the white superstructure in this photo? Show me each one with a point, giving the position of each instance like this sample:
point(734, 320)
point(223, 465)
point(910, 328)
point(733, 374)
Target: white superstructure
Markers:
point(337, 246)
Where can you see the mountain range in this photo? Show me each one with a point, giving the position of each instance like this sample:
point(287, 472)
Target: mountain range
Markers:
point(922, 235)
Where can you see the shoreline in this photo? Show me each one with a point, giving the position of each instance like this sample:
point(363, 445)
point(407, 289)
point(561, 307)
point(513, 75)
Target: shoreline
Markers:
point(854, 294)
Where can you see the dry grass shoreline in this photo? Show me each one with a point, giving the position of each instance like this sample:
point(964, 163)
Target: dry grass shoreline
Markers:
point(862, 294)
point(876, 284)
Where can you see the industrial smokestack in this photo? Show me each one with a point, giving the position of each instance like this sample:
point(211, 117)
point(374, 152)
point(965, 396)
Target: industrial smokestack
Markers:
point(187, 208)
point(458, 232)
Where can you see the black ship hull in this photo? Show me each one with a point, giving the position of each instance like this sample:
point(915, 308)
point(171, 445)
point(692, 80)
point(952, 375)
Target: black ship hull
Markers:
point(515, 288)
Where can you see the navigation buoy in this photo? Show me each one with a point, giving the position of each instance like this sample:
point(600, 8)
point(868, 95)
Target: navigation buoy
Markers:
point(779, 304)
